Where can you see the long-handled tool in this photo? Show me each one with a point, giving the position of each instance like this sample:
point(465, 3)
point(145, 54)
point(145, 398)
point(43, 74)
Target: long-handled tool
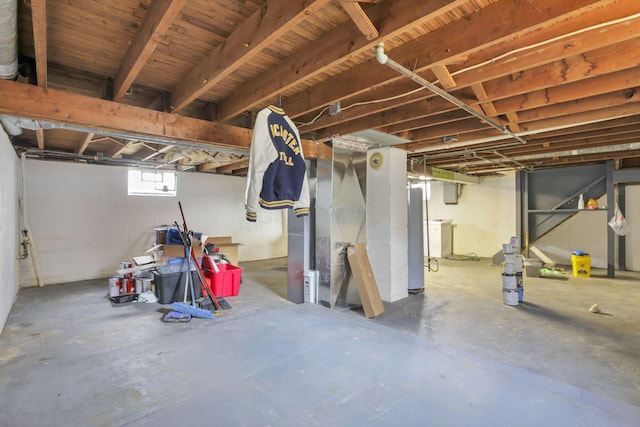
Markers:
point(183, 307)
point(220, 305)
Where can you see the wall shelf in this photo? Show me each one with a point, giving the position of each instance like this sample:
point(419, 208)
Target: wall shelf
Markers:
point(554, 211)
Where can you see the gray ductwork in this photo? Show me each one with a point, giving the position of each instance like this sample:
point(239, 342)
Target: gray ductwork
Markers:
point(8, 39)
point(11, 125)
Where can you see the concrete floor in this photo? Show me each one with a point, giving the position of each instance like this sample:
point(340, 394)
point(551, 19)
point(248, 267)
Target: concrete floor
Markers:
point(453, 355)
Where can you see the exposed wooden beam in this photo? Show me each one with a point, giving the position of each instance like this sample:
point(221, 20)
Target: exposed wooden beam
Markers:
point(475, 130)
point(619, 111)
point(609, 132)
point(393, 17)
point(444, 77)
point(521, 57)
point(485, 102)
point(87, 140)
point(226, 169)
point(560, 49)
point(263, 27)
point(445, 116)
point(360, 18)
point(583, 131)
point(440, 131)
point(528, 91)
point(39, 22)
point(579, 67)
point(599, 102)
point(513, 122)
point(558, 93)
point(33, 102)
point(40, 138)
point(365, 107)
point(156, 22)
point(518, 21)
point(396, 119)
point(124, 147)
point(163, 150)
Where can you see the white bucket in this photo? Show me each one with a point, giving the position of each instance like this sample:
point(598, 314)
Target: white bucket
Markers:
point(509, 281)
point(510, 258)
point(114, 286)
point(146, 284)
point(519, 264)
point(510, 296)
point(509, 268)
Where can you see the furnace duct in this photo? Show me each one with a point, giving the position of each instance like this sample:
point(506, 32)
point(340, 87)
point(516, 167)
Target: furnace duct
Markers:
point(8, 39)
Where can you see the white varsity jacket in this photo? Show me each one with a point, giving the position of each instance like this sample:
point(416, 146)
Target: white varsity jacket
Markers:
point(277, 177)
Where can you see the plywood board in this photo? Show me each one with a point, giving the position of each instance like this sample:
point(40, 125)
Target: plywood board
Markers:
point(365, 280)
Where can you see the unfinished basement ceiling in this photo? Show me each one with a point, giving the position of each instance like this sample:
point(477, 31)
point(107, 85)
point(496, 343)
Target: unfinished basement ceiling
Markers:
point(178, 83)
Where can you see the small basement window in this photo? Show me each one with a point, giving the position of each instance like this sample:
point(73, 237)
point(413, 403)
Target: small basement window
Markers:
point(152, 183)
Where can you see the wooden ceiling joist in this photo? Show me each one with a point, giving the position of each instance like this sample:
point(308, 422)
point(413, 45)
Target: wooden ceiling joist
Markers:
point(539, 92)
point(360, 18)
point(39, 19)
point(444, 77)
point(40, 138)
point(393, 17)
point(266, 25)
point(560, 74)
point(490, 71)
point(523, 19)
point(559, 93)
point(34, 102)
point(52, 105)
point(124, 148)
point(485, 102)
point(225, 169)
point(159, 16)
point(520, 56)
point(87, 140)
point(513, 122)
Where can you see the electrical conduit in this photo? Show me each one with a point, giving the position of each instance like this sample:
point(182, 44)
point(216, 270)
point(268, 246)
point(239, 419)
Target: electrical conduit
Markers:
point(384, 59)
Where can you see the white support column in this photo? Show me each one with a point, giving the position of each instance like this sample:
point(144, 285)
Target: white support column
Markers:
point(387, 221)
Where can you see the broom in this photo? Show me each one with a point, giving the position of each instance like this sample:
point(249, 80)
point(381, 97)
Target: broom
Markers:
point(220, 305)
point(183, 307)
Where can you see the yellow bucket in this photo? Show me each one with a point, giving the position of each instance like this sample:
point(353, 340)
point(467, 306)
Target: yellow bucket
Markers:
point(581, 265)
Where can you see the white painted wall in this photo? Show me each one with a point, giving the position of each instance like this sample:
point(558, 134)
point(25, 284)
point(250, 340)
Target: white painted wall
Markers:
point(483, 219)
point(83, 222)
point(632, 215)
point(9, 226)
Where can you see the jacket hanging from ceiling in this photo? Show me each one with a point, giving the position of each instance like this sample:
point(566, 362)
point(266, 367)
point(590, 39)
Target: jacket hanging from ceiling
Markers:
point(277, 177)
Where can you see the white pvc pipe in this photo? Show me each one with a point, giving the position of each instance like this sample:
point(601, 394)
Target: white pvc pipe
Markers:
point(380, 55)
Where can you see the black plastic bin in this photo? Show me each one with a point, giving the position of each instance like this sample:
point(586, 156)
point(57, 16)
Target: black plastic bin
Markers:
point(170, 287)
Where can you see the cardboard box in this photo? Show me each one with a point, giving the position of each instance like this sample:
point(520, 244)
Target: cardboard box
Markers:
point(226, 246)
point(365, 281)
point(177, 251)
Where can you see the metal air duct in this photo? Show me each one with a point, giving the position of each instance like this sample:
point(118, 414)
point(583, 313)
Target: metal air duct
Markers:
point(8, 39)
